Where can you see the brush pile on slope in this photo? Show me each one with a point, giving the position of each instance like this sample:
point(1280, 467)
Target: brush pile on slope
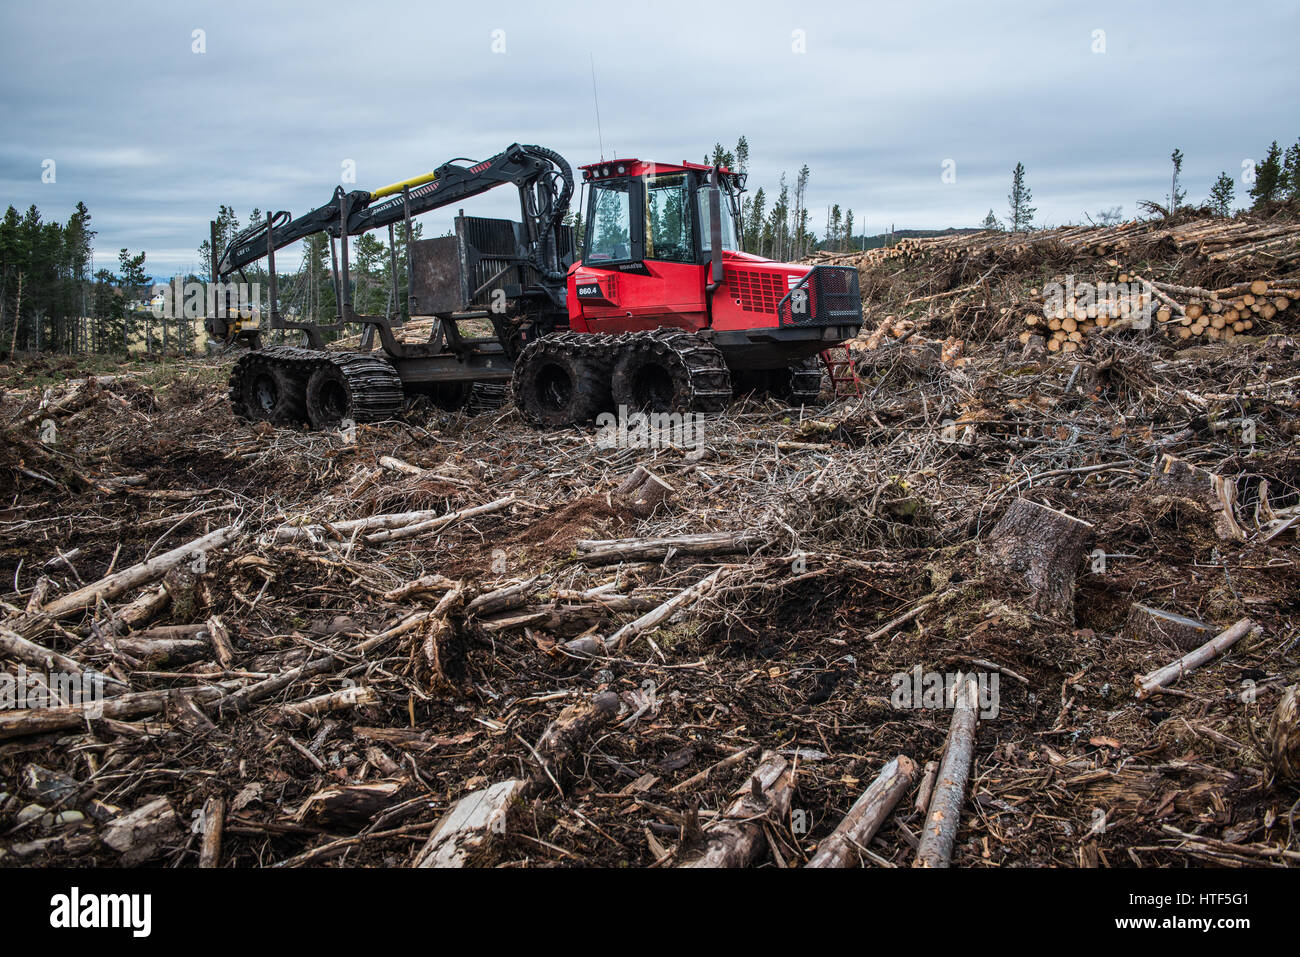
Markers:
point(1190, 279)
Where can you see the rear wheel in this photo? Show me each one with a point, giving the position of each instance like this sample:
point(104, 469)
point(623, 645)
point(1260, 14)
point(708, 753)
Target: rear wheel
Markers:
point(649, 376)
point(555, 385)
point(269, 393)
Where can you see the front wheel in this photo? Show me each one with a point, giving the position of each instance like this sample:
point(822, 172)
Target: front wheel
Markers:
point(799, 383)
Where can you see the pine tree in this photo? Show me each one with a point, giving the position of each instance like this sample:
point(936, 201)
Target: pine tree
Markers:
point(109, 313)
point(77, 236)
point(1176, 195)
point(779, 222)
point(754, 223)
point(833, 228)
point(1022, 214)
point(1291, 172)
point(1222, 194)
point(799, 247)
point(1268, 178)
point(990, 222)
point(721, 157)
point(848, 230)
point(132, 280)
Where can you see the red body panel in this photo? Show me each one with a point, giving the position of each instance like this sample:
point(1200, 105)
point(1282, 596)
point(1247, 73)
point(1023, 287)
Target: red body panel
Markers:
point(667, 293)
point(656, 294)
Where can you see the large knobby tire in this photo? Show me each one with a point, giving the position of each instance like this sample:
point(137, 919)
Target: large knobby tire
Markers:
point(329, 397)
point(798, 384)
point(555, 386)
point(271, 394)
point(649, 376)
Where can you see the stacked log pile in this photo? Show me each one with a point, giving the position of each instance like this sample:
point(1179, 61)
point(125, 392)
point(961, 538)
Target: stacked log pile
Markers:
point(1131, 302)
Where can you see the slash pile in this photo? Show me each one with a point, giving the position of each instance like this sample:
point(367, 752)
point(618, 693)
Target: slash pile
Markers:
point(456, 641)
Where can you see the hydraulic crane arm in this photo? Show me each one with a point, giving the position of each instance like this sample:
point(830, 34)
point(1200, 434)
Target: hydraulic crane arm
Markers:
point(544, 179)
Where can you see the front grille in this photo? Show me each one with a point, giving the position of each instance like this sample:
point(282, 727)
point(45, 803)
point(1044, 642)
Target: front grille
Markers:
point(827, 296)
point(758, 291)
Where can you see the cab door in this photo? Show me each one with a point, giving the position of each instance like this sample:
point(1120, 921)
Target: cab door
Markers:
point(641, 267)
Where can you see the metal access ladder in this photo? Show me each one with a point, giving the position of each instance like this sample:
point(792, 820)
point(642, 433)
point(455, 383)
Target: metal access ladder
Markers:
point(839, 366)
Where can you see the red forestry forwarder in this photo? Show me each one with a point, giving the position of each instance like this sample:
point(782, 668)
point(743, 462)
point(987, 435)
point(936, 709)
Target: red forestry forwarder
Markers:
point(662, 313)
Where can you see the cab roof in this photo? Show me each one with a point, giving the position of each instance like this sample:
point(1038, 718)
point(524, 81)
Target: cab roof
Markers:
point(636, 167)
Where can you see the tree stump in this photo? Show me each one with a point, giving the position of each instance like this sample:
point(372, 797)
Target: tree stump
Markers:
point(1045, 547)
point(1164, 627)
point(1284, 736)
point(1174, 476)
point(642, 491)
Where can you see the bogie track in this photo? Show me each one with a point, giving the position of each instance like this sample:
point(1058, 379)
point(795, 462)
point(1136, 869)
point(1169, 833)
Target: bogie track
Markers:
point(285, 385)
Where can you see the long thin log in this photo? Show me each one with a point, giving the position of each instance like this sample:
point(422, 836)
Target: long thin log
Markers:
point(642, 549)
point(439, 523)
point(1155, 681)
point(344, 699)
point(867, 814)
point(140, 574)
point(944, 814)
point(212, 823)
point(13, 645)
point(16, 724)
point(653, 618)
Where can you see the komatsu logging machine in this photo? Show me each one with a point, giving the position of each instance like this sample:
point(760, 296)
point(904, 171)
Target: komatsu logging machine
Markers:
point(662, 312)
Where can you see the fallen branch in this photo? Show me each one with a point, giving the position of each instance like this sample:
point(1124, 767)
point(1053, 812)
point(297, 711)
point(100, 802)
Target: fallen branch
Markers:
point(737, 838)
point(1155, 681)
point(606, 552)
point(143, 573)
point(652, 619)
point(439, 523)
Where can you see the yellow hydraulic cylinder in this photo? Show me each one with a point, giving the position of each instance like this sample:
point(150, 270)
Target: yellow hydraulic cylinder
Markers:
point(397, 187)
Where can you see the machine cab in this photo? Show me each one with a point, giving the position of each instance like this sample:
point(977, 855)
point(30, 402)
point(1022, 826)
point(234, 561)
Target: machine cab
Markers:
point(647, 250)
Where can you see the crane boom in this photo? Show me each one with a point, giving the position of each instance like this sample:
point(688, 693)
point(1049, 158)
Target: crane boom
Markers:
point(544, 179)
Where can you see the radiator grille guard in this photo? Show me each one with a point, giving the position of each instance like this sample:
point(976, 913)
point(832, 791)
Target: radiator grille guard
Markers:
point(827, 296)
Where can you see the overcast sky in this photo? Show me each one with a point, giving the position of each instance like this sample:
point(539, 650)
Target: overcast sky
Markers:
point(153, 136)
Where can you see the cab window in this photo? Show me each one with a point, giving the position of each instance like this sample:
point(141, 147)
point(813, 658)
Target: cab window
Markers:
point(610, 223)
point(668, 219)
point(728, 224)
